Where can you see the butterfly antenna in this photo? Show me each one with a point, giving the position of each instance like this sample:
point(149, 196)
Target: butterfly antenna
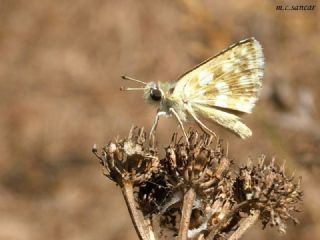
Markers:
point(131, 89)
point(133, 79)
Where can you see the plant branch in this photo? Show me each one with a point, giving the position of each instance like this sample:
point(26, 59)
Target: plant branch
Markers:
point(245, 225)
point(142, 228)
point(186, 214)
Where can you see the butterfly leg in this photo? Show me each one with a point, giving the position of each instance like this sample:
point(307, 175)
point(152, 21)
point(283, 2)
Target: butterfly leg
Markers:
point(155, 124)
point(201, 125)
point(171, 110)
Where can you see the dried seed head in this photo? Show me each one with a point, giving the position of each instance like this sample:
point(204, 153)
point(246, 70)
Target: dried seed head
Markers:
point(225, 202)
point(129, 159)
point(270, 191)
point(198, 164)
point(202, 166)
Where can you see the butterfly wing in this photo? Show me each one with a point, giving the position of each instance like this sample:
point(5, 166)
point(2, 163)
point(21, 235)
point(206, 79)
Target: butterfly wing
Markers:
point(225, 119)
point(230, 80)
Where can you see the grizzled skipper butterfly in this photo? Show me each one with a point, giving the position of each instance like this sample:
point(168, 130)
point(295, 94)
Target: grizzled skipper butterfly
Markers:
point(218, 89)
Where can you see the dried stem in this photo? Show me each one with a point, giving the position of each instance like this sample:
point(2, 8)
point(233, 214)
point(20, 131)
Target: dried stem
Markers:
point(142, 228)
point(186, 214)
point(244, 225)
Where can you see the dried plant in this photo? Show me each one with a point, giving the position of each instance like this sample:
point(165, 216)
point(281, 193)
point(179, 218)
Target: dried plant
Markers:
point(192, 192)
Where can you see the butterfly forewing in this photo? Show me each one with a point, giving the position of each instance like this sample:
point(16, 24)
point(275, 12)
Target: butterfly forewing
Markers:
point(230, 80)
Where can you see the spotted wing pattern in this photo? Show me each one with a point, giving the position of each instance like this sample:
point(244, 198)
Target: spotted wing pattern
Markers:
point(230, 80)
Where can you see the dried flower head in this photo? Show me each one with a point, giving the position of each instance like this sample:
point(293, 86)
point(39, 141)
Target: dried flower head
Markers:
point(129, 159)
point(192, 192)
point(270, 191)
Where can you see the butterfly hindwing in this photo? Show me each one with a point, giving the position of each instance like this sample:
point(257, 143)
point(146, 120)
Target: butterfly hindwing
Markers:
point(225, 119)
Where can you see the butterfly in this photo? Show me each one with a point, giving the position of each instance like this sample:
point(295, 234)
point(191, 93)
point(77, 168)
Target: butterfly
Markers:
point(217, 90)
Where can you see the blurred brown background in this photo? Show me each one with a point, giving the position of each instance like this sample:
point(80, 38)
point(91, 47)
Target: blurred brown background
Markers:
point(60, 68)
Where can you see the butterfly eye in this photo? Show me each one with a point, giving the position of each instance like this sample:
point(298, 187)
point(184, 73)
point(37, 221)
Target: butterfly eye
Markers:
point(155, 94)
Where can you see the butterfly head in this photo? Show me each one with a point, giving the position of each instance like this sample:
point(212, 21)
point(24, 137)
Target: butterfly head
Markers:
point(153, 92)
